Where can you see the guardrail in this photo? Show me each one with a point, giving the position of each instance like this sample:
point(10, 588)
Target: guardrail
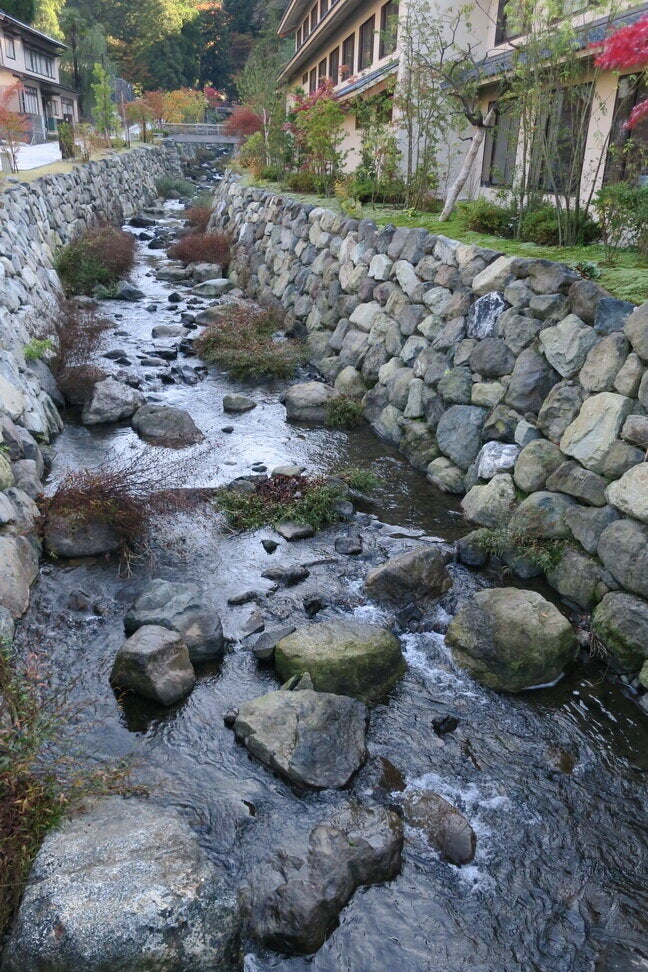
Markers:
point(181, 129)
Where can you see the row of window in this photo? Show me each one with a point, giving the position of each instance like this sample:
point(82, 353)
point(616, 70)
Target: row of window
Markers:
point(312, 19)
point(331, 67)
point(39, 63)
point(557, 157)
point(508, 26)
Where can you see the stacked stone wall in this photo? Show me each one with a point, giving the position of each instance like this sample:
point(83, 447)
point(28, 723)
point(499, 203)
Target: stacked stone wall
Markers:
point(512, 381)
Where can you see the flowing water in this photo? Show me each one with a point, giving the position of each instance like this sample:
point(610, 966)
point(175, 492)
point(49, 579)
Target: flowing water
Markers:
point(552, 781)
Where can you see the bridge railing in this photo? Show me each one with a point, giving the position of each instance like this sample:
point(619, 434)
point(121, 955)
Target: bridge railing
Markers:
point(200, 129)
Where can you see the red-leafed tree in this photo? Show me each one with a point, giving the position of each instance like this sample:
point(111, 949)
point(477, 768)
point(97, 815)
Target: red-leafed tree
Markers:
point(627, 50)
point(243, 122)
point(13, 125)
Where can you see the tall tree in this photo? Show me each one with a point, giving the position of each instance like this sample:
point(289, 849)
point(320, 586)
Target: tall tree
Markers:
point(24, 10)
point(47, 17)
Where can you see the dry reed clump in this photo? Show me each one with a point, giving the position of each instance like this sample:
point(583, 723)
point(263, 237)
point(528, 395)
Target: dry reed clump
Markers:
point(198, 217)
point(99, 256)
point(79, 331)
point(129, 497)
point(247, 341)
point(202, 248)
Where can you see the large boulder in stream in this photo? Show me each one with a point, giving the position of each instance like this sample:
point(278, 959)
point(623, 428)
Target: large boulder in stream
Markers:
point(295, 897)
point(417, 575)
point(314, 739)
point(343, 656)
point(18, 571)
point(183, 608)
point(309, 401)
point(154, 662)
point(511, 640)
point(111, 401)
point(165, 425)
point(73, 535)
point(125, 886)
point(445, 828)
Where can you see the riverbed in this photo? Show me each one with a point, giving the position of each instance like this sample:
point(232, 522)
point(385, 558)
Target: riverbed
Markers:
point(552, 781)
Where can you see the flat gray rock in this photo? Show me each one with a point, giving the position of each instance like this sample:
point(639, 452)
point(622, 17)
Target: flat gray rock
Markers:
point(238, 403)
point(183, 608)
point(111, 401)
point(314, 739)
point(154, 662)
point(292, 531)
point(166, 426)
point(124, 886)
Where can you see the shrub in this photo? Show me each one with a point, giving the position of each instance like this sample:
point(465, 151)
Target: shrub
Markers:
point(79, 331)
point(128, 496)
point(542, 226)
point(298, 498)
point(344, 412)
point(198, 218)
point(360, 480)
point(202, 248)
point(37, 348)
point(544, 553)
point(244, 342)
point(37, 785)
point(101, 255)
point(304, 182)
point(272, 173)
point(623, 212)
point(66, 140)
point(484, 216)
point(173, 187)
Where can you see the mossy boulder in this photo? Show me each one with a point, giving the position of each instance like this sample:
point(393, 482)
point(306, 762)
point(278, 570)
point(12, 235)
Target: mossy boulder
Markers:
point(344, 657)
point(417, 575)
point(621, 623)
point(511, 640)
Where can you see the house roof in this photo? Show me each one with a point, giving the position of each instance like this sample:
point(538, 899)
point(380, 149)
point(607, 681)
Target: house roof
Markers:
point(18, 27)
point(292, 16)
point(367, 81)
point(594, 32)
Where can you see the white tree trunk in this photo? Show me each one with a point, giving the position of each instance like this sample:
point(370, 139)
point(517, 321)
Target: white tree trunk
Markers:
point(468, 162)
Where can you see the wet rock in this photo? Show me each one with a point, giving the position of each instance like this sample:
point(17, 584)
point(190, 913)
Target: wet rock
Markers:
point(7, 627)
point(459, 433)
point(168, 330)
point(494, 458)
point(446, 476)
point(111, 401)
point(630, 493)
point(587, 524)
point(294, 899)
point(314, 739)
point(238, 403)
point(308, 401)
point(213, 288)
point(511, 640)
point(19, 560)
point(287, 470)
point(417, 575)
point(183, 608)
point(590, 436)
point(621, 623)
point(623, 548)
point(345, 657)
point(124, 885)
point(254, 624)
point(445, 828)
point(471, 550)
point(491, 505)
point(581, 483)
point(228, 429)
point(155, 663)
point(576, 577)
point(291, 531)
point(69, 536)
point(244, 598)
point(166, 426)
point(265, 645)
point(287, 576)
point(542, 515)
point(537, 461)
point(350, 546)
point(269, 545)
point(126, 291)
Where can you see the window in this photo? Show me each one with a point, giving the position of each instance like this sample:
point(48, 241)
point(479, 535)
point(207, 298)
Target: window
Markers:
point(68, 109)
point(313, 19)
point(507, 26)
point(628, 151)
point(39, 63)
point(323, 8)
point(500, 149)
point(321, 71)
point(366, 45)
point(388, 28)
point(30, 103)
point(312, 85)
point(334, 65)
point(10, 48)
point(348, 54)
point(559, 144)
point(305, 79)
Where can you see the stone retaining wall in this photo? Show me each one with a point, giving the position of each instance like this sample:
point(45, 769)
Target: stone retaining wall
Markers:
point(36, 219)
point(511, 380)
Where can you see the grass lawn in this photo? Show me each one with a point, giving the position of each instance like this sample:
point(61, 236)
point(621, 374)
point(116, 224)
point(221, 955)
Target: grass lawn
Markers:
point(627, 279)
point(56, 168)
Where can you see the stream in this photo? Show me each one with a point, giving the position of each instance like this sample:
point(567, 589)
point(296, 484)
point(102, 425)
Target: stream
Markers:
point(552, 781)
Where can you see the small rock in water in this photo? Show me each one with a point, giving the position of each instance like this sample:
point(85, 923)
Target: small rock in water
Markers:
point(445, 725)
point(351, 546)
point(313, 605)
point(269, 545)
point(238, 403)
point(228, 429)
point(288, 576)
point(174, 298)
point(78, 601)
point(259, 468)
point(288, 470)
point(230, 717)
point(267, 642)
point(154, 662)
point(152, 308)
point(253, 624)
point(292, 531)
point(444, 826)
point(243, 598)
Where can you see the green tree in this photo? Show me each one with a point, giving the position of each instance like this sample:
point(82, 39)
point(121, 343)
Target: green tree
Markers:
point(47, 17)
point(104, 112)
point(24, 10)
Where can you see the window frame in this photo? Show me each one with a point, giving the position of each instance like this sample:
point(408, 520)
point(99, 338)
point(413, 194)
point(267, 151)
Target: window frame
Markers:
point(505, 122)
point(348, 44)
point(389, 14)
point(29, 96)
point(10, 47)
point(367, 43)
point(334, 64)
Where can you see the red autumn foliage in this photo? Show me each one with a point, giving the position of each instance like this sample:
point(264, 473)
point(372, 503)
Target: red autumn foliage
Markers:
point(243, 122)
point(202, 248)
point(627, 49)
point(13, 125)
